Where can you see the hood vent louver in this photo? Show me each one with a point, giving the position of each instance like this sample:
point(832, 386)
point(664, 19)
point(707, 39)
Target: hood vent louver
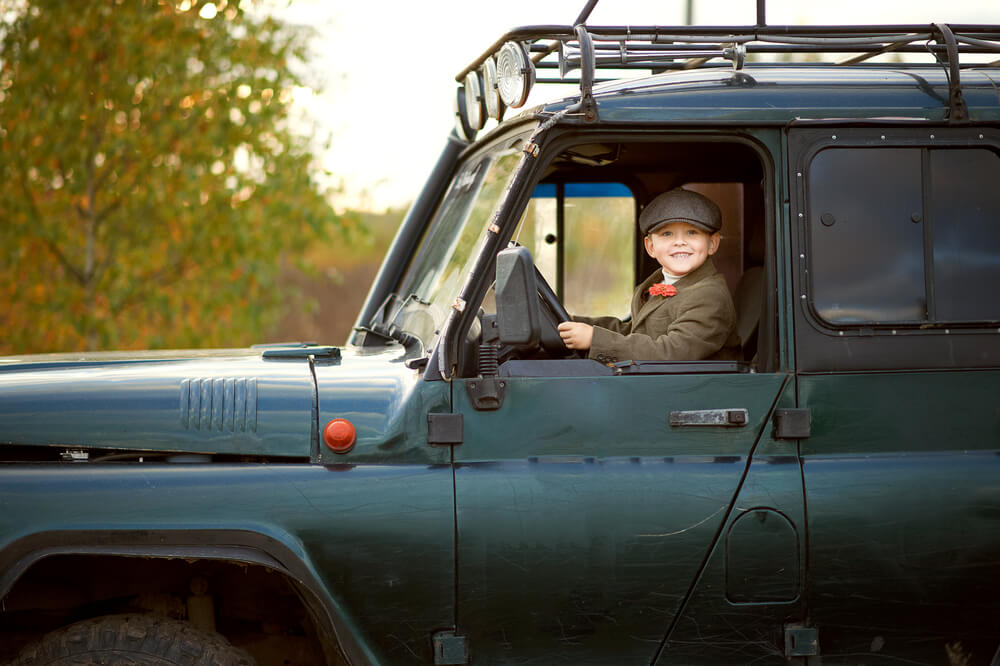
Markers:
point(221, 404)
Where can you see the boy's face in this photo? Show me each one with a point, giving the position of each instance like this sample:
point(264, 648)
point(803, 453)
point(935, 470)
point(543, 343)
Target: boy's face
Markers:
point(681, 247)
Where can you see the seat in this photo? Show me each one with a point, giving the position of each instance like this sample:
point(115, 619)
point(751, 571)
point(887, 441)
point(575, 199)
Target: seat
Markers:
point(748, 298)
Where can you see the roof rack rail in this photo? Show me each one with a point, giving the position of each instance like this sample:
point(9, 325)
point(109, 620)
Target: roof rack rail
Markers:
point(505, 72)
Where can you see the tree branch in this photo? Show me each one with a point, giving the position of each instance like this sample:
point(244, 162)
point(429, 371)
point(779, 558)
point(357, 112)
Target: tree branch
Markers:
point(49, 243)
point(154, 277)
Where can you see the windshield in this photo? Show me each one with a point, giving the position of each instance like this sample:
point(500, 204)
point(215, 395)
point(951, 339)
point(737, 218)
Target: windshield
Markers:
point(448, 250)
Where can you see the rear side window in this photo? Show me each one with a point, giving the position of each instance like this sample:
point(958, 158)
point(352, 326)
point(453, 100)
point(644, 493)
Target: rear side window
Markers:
point(904, 235)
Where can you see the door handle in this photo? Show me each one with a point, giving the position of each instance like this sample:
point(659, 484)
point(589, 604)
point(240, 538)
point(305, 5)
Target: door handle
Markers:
point(729, 418)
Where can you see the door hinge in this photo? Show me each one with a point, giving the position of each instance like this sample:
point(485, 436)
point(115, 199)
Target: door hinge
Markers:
point(449, 649)
point(445, 429)
point(792, 423)
point(801, 641)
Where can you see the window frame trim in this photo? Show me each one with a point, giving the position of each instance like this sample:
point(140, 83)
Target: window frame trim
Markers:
point(925, 139)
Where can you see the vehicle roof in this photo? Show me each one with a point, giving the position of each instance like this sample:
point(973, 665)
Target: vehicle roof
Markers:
point(781, 93)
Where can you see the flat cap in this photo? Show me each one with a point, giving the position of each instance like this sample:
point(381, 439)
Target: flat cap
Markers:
point(679, 205)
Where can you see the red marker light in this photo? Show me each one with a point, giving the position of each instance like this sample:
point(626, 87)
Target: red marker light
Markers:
point(339, 435)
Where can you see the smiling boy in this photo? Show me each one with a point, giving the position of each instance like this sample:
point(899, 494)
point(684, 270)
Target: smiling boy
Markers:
point(683, 311)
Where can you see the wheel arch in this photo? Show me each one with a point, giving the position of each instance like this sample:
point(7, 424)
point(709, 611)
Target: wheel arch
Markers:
point(239, 547)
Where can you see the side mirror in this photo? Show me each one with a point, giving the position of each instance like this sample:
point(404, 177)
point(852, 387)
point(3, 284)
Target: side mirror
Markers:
point(518, 314)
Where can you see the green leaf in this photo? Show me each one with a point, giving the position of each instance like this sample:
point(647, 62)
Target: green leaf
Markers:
point(150, 184)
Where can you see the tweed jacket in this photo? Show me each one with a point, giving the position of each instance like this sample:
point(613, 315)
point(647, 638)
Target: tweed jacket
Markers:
point(698, 322)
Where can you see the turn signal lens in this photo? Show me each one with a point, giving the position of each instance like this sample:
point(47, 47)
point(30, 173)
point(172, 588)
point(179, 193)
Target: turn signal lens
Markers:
point(339, 435)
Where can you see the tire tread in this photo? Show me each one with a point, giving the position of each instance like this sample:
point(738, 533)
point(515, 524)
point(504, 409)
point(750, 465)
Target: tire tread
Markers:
point(132, 640)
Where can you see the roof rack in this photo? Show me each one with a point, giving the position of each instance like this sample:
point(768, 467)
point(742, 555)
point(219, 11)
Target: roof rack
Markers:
point(504, 73)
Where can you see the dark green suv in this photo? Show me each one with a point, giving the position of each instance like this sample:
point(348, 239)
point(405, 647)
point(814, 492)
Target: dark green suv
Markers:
point(455, 486)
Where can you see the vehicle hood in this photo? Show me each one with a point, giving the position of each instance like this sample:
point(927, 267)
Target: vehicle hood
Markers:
point(243, 402)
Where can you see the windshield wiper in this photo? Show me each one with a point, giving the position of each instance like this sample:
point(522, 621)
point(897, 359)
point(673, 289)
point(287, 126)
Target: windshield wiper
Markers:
point(392, 334)
point(408, 341)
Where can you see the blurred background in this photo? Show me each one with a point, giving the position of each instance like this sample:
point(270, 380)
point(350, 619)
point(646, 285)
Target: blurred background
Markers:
point(219, 173)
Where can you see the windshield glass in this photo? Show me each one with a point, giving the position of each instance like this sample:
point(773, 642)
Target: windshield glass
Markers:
point(449, 249)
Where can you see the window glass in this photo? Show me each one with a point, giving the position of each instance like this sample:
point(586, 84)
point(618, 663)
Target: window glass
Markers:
point(965, 217)
point(904, 235)
point(867, 257)
point(538, 232)
point(451, 246)
point(597, 244)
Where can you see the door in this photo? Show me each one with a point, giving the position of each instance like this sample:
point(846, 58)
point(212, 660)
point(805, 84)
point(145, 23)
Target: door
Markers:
point(590, 505)
point(584, 516)
point(898, 257)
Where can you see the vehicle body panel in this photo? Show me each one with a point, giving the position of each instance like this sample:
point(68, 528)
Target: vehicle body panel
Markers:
point(901, 483)
point(377, 538)
point(752, 583)
point(768, 94)
point(229, 402)
point(386, 402)
point(618, 513)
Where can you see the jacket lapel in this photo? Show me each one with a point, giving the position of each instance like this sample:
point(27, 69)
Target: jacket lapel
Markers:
point(642, 310)
point(642, 302)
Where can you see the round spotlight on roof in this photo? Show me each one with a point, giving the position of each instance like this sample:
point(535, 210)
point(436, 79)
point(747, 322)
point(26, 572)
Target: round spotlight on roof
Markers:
point(474, 106)
point(494, 106)
point(515, 74)
point(462, 126)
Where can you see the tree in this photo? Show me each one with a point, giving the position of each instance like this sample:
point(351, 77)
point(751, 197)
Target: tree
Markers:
point(151, 183)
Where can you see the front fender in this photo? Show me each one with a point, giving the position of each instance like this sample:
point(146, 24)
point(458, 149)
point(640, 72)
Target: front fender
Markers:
point(372, 544)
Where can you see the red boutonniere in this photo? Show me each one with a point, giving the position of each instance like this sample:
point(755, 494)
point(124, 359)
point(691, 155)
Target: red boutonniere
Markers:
point(660, 289)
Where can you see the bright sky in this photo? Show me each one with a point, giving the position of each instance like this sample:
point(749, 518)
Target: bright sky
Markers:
point(387, 69)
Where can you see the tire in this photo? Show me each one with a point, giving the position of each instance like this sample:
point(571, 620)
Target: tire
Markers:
point(132, 640)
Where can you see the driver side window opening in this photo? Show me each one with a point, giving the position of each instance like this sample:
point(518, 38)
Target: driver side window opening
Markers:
point(582, 238)
point(581, 224)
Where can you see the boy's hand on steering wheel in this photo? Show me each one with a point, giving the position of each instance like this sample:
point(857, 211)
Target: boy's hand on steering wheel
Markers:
point(576, 335)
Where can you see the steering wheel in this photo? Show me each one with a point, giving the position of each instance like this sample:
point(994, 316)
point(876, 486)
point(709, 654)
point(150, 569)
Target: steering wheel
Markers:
point(552, 314)
point(550, 299)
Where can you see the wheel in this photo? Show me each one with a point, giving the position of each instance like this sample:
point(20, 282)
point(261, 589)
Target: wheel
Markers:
point(117, 640)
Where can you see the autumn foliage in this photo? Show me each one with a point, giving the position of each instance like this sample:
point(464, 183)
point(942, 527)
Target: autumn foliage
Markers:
point(151, 182)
